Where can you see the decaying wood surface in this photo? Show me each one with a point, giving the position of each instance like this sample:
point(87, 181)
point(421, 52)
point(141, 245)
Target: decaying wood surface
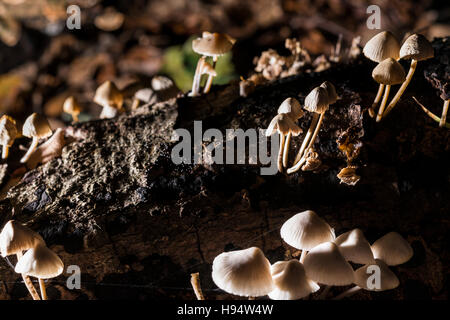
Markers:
point(138, 225)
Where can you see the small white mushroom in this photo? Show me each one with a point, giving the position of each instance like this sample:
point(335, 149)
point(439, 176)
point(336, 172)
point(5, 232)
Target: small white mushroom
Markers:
point(110, 98)
point(243, 272)
point(290, 281)
point(37, 127)
point(305, 230)
point(393, 249)
point(42, 263)
point(355, 247)
point(8, 133)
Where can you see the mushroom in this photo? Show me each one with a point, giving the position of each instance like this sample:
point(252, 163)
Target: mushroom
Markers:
point(290, 281)
point(210, 45)
point(72, 107)
point(8, 133)
point(417, 48)
point(355, 247)
point(110, 98)
point(317, 101)
point(42, 263)
point(243, 272)
point(348, 175)
point(388, 279)
point(305, 230)
point(325, 264)
point(387, 72)
point(292, 108)
point(284, 125)
point(37, 127)
point(164, 88)
point(380, 47)
point(16, 238)
point(392, 248)
point(50, 149)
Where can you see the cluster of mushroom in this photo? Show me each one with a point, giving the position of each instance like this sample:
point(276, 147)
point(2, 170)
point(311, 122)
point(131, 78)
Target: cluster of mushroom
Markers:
point(35, 126)
point(317, 102)
point(385, 49)
point(325, 260)
point(38, 261)
point(211, 45)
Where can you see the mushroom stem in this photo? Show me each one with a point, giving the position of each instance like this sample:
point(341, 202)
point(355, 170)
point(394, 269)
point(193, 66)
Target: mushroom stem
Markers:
point(42, 287)
point(197, 76)
point(402, 89)
point(280, 153)
point(302, 256)
point(431, 114)
point(5, 151)
point(376, 101)
point(75, 117)
point(286, 149)
point(210, 77)
point(324, 293)
point(308, 134)
point(32, 147)
point(316, 132)
point(383, 103)
point(299, 164)
point(195, 282)
point(28, 283)
point(444, 113)
point(347, 293)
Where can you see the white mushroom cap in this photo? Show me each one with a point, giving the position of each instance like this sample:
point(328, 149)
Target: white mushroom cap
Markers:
point(290, 281)
point(416, 47)
point(388, 279)
point(317, 100)
point(325, 264)
point(392, 248)
point(161, 83)
point(71, 106)
point(382, 46)
point(389, 72)
point(305, 230)
point(243, 272)
point(37, 126)
point(213, 44)
point(108, 95)
point(16, 238)
point(284, 125)
point(354, 247)
point(292, 108)
point(40, 262)
point(331, 91)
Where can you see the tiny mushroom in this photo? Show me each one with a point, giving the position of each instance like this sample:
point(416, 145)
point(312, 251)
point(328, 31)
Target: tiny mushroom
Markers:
point(305, 230)
point(72, 107)
point(417, 48)
point(42, 263)
point(110, 98)
point(243, 272)
point(355, 247)
point(16, 238)
point(164, 87)
point(290, 281)
point(388, 72)
point(292, 108)
point(387, 280)
point(380, 47)
point(210, 45)
point(392, 248)
point(317, 101)
point(37, 127)
point(8, 133)
point(284, 125)
point(325, 264)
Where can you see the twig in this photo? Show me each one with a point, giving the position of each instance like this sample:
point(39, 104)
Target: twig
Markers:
point(431, 114)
